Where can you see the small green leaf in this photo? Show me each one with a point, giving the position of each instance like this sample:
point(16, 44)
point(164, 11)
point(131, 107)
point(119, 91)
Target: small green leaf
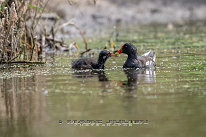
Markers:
point(36, 7)
point(2, 8)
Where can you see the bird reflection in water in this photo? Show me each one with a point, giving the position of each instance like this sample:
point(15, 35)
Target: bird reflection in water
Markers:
point(102, 78)
point(88, 74)
point(134, 77)
point(138, 76)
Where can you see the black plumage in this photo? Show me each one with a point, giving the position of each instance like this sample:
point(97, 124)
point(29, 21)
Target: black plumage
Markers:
point(89, 63)
point(147, 60)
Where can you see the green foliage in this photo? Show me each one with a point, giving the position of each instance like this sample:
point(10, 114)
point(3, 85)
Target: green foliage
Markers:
point(2, 8)
point(36, 7)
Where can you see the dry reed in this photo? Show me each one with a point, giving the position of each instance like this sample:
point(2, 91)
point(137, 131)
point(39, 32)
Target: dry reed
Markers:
point(17, 38)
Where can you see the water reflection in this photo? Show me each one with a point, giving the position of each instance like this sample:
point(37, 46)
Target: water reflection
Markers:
point(21, 104)
point(103, 80)
point(87, 74)
point(134, 78)
point(138, 76)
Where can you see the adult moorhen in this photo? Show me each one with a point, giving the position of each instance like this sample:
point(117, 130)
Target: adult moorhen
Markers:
point(147, 60)
point(88, 63)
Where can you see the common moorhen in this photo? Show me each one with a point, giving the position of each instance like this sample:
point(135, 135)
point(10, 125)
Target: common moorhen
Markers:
point(89, 63)
point(147, 60)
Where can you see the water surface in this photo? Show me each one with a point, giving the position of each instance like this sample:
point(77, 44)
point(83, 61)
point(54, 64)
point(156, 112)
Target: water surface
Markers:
point(171, 98)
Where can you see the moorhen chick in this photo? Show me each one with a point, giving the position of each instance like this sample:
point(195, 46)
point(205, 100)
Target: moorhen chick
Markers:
point(147, 60)
point(89, 63)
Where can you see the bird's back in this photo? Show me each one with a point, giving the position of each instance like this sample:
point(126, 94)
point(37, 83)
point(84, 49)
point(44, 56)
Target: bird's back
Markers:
point(83, 63)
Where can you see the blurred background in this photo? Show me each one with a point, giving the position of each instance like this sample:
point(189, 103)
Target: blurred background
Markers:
point(92, 15)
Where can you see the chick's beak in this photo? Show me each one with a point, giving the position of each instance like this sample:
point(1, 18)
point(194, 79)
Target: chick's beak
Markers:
point(112, 54)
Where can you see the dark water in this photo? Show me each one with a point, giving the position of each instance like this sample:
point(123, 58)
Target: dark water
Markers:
point(171, 100)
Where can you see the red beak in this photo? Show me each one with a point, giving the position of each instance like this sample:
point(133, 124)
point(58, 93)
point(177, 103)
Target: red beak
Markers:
point(119, 51)
point(112, 54)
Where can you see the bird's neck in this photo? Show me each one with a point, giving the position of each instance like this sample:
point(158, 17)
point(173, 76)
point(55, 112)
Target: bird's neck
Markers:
point(100, 62)
point(98, 66)
point(132, 56)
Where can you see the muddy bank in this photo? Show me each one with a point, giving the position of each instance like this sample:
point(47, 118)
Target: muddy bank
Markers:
point(94, 18)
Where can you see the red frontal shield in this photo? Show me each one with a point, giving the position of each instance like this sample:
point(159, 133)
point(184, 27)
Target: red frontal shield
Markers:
point(119, 51)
